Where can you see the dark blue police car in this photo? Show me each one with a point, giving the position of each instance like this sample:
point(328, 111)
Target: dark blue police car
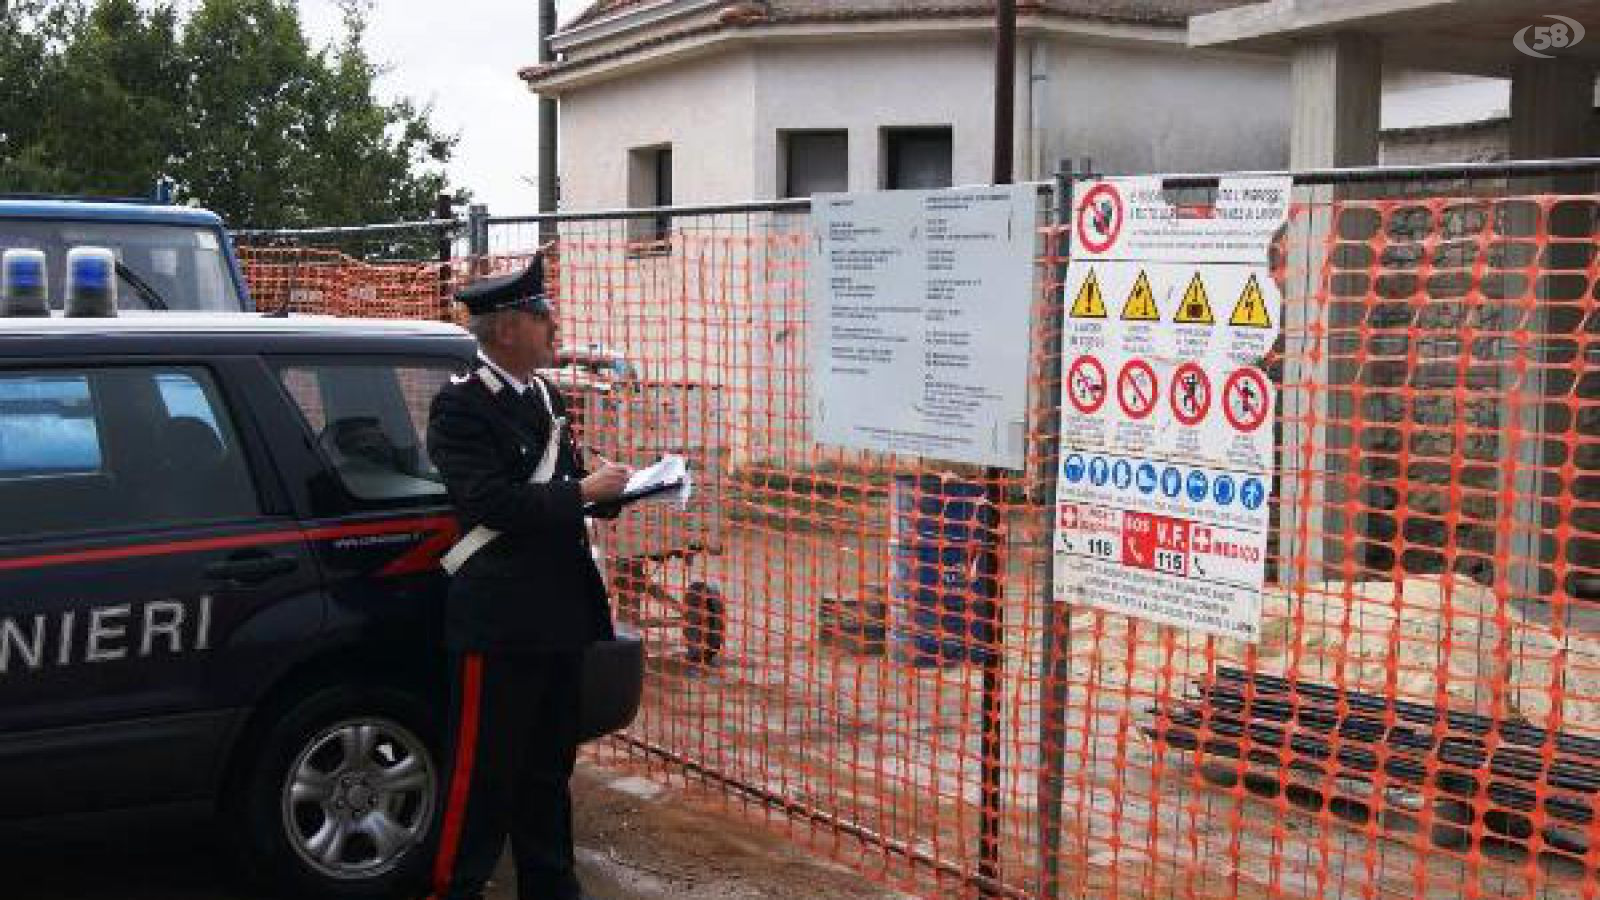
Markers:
point(219, 584)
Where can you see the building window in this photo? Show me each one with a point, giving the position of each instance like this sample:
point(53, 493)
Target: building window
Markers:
point(916, 158)
point(814, 162)
point(649, 185)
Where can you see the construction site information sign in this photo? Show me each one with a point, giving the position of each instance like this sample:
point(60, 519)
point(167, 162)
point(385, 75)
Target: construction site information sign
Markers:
point(919, 304)
point(1171, 314)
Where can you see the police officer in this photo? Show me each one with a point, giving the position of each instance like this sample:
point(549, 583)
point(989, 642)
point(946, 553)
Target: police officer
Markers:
point(525, 601)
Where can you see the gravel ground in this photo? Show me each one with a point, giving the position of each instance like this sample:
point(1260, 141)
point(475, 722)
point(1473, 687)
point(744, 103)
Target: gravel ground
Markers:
point(636, 841)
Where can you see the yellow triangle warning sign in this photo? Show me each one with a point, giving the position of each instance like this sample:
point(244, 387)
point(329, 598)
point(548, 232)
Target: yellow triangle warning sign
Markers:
point(1141, 305)
point(1251, 310)
point(1090, 304)
point(1196, 306)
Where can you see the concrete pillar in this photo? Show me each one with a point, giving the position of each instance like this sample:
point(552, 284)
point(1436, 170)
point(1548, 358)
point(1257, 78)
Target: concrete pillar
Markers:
point(1337, 89)
point(1336, 96)
point(1552, 111)
point(1552, 103)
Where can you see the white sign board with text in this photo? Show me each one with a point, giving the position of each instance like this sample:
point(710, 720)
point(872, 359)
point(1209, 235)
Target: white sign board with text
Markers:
point(919, 304)
point(1171, 313)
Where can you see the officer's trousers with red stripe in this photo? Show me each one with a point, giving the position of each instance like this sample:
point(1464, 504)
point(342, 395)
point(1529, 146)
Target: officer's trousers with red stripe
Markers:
point(514, 727)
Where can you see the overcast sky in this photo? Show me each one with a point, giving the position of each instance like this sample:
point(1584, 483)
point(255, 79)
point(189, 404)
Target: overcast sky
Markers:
point(462, 56)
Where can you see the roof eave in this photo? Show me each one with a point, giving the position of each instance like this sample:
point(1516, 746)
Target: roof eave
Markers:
point(557, 79)
point(1275, 21)
point(627, 19)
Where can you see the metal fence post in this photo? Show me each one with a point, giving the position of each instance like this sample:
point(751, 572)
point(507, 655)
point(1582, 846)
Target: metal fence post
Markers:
point(991, 571)
point(1057, 618)
point(478, 236)
point(444, 208)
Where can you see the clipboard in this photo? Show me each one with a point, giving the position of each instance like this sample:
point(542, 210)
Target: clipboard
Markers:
point(670, 474)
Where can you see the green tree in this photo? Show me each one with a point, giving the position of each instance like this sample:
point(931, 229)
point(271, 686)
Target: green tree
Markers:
point(378, 162)
point(232, 101)
point(32, 33)
point(117, 100)
point(282, 135)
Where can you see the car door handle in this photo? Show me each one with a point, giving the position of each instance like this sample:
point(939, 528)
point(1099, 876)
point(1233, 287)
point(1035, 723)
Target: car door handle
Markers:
point(251, 568)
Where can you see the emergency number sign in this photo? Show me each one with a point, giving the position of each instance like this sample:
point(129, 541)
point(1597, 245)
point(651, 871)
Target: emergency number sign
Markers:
point(1171, 314)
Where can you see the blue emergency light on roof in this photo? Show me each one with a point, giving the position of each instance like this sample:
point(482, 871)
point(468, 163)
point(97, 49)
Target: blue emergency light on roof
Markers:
point(23, 283)
point(91, 282)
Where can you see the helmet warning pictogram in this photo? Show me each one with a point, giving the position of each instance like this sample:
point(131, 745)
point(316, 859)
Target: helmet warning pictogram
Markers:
point(1196, 306)
point(1251, 310)
point(1141, 305)
point(1090, 304)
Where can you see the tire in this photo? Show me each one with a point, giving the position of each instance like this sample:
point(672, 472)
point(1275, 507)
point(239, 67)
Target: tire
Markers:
point(318, 817)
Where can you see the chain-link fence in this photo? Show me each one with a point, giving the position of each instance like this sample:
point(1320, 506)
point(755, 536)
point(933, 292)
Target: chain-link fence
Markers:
point(834, 645)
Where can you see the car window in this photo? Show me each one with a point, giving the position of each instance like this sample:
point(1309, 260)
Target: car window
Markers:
point(185, 264)
point(370, 420)
point(47, 426)
point(105, 449)
point(184, 397)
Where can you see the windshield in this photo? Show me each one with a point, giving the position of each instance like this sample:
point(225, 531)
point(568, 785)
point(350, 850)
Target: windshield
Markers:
point(183, 263)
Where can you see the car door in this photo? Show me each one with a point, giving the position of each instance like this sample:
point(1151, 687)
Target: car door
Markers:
point(145, 566)
point(379, 514)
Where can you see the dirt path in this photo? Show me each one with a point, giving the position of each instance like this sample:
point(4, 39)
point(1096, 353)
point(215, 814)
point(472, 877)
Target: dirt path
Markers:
point(639, 840)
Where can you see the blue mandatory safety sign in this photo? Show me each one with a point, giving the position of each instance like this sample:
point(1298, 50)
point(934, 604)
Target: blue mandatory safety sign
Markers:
point(1252, 494)
point(1147, 478)
point(1072, 469)
point(1122, 474)
point(1172, 482)
point(1222, 490)
point(1099, 471)
point(1199, 486)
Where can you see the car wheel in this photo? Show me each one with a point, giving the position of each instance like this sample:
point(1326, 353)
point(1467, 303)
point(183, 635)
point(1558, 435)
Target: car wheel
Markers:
point(340, 799)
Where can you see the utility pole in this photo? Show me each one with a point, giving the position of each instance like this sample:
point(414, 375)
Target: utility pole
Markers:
point(1005, 87)
point(549, 125)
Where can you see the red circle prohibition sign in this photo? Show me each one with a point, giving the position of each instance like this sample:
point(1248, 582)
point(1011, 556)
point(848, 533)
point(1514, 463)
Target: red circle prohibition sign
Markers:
point(1191, 393)
point(1137, 388)
point(1245, 399)
point(1100, 218)
point(1086, 384)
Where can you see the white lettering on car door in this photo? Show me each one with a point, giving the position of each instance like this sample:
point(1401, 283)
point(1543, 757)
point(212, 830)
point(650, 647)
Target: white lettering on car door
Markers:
point(162, 617)
point(31, 650)
point(102, 628)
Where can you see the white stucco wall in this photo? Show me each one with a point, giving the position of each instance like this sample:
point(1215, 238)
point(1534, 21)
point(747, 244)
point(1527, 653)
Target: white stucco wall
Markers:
point(865, 86)
point(1132, 110)
point(1431, 99)
point(703, 108)
point(1128, 108)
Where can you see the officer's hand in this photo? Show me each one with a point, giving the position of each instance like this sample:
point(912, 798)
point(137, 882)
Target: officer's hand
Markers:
point(605, 483)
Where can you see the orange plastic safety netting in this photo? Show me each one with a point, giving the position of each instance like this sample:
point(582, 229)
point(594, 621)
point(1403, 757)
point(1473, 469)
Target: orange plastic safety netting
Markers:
point(329, 282)
point(832, 647)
